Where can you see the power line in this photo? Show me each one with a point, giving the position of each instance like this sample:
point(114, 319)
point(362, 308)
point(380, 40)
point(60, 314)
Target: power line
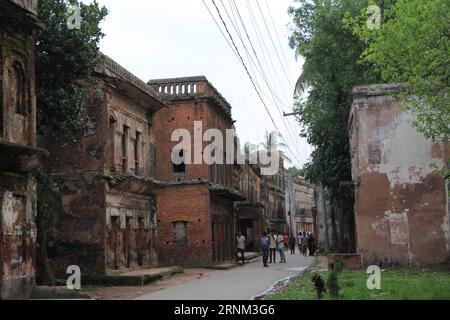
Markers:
point(262, 43)
point(220, 29)
point(236, 27)
point(276, 33)
point(283, 55)
point(260, 70)
point(274, 95)
point(251, 78)
point(273, 43)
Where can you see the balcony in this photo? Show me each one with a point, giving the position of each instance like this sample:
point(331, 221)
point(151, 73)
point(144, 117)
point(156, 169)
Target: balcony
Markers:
point(20, 158)
point(29, 5)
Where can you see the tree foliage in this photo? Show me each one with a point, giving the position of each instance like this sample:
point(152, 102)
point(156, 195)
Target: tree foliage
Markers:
point(64, 58)
point(413, 47)
point(330, 70)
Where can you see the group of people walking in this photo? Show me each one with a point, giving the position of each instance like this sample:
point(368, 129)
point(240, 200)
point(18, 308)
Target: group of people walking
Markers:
point(273, 242)
point(305, 242)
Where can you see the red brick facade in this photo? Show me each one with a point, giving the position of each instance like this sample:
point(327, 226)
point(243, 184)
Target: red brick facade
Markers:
point(202, 196)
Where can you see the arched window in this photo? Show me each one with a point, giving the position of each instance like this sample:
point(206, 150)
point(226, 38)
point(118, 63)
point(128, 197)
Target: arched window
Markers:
point(18, 89)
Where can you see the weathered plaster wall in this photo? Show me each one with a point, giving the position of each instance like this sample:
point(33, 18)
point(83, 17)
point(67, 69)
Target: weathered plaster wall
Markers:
point(401, 204)
point(131, 231)
point(78, 170)
point(106, 222)
point(17, 236)
point(17, 150)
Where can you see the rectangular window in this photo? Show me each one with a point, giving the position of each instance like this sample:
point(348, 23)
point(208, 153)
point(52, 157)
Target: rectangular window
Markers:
point(137, 153)
point(179, 168)
point(180, 233)
point(125, 136)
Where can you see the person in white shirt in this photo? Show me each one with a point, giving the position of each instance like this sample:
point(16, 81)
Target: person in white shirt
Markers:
point(273, 247)
point(241, 247)
point(281, 246)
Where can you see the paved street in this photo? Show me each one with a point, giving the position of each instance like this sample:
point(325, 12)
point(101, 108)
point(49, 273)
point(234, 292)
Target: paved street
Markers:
point(240, 283)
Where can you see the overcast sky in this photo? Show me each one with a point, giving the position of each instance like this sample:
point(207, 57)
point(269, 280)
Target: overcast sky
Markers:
point(175, 38)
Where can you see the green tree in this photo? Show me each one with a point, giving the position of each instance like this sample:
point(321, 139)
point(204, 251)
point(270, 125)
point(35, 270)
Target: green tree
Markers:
point(296, 171)
point(330, 70)
point(413, 47)
point(65, 59)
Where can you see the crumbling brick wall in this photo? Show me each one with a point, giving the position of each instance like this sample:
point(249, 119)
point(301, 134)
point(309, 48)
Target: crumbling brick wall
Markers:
point(190, 204)
point(19, 156)
point(188, 197)
point(106, 179)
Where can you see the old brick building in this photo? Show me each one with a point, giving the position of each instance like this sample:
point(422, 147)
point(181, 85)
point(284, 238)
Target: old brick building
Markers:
point(19, 156)
point(300, 203)
point(401, 205)
point(108, 218)
point(273, 198)
point(250, 213)
point(195, 209)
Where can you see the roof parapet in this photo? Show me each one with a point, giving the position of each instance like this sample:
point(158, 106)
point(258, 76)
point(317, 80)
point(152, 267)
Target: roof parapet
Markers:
point(374, 90)
point(189, 88)
point(115, 71)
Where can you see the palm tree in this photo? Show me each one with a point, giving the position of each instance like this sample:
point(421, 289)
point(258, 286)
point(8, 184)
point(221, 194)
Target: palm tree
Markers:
point(272, 143)
point(249, 148)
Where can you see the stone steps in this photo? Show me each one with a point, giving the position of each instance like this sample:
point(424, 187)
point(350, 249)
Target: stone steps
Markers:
point(135, 278)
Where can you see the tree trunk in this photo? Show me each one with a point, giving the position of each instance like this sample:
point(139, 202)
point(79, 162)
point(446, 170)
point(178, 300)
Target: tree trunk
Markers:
point(45, 274)
point(334, 235)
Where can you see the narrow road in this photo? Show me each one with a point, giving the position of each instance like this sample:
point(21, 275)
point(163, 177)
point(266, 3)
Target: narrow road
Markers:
point(240, 283)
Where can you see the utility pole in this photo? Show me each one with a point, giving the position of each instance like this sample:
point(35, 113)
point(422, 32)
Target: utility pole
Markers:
point(291, 114)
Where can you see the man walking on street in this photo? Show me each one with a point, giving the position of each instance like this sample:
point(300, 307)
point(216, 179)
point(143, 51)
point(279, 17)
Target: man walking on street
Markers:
point(292, 244)
point(265, 243)
point(241, 247)
point(311, 245)
point(299, 242)
point(273, 247)
point(281, 248)
point(304, 241)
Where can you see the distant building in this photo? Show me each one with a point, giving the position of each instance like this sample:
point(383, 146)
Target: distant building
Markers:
point(19, 156)
point(108, 195)
point(300, 204)
point(401, 207)
point(273, 197)
point(250, 213)
point(196, 222)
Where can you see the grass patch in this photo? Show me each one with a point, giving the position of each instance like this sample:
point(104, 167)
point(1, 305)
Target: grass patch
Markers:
point(396, 284)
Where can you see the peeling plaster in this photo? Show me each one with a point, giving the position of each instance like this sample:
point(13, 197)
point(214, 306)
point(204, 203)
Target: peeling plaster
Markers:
point(392, 165)
point(396, 225)
point(401, 163)
point(8, 214)
point(399, 228)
